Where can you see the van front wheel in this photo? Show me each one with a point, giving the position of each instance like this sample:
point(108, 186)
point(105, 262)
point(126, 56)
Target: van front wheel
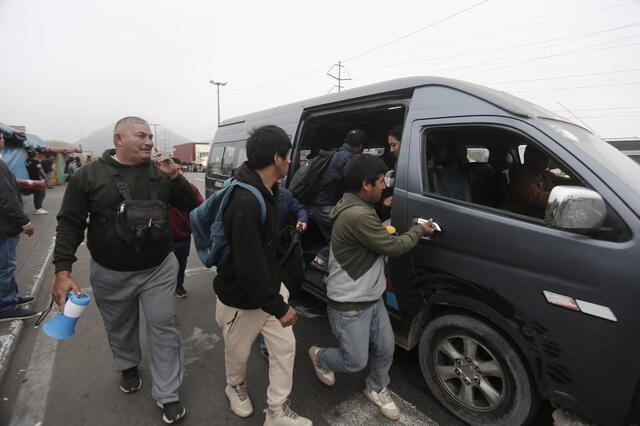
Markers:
point(475, 373)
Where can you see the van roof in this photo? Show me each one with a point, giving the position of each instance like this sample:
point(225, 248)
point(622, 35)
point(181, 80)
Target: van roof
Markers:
point(502, 100)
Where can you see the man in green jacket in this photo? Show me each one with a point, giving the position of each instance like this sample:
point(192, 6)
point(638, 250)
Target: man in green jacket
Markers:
point(356, 282)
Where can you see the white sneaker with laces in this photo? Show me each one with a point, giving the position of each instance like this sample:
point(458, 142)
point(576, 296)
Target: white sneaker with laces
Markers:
point(325, 376)
point(239, 400)
point(41, 211)
point(385, 403)
point(285, 417)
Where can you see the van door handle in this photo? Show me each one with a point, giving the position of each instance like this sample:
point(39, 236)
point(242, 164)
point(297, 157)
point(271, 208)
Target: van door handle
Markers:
point(434, 225)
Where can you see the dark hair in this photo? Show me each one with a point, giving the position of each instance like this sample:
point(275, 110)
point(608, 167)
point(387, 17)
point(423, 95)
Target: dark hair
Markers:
point(395, 132)
point(176, 160)
point(363, 168)
point(263, 143)
point(356, 137)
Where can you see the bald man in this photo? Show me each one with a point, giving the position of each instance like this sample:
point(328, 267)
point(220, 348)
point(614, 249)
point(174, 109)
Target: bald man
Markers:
point(129, 188)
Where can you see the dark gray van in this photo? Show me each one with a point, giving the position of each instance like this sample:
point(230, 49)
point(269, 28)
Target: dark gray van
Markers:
point(506, 308)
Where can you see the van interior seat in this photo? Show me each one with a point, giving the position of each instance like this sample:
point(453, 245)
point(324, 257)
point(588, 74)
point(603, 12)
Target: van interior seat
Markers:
point(446, 172)
point(501, 163)
point(483, 184)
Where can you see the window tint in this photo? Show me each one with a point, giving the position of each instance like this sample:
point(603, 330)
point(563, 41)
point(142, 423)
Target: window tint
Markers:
point(242, 156)
point(475, 164)
point(227, 160)
point(216, 159)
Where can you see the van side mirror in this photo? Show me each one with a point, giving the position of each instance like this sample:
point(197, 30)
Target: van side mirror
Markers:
point(575, 208)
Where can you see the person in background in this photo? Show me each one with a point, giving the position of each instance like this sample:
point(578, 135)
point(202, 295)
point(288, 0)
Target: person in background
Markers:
point(36, 172)
point(331, 188)
point(47, 166)
point(356, 282)
point(181, 231)
point(13, 222)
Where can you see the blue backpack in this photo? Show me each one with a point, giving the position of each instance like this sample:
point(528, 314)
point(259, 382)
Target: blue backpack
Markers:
point(208, 229)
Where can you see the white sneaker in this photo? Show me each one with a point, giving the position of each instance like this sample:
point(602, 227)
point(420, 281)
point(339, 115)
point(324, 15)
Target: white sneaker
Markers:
point(41, 211)
point(285, 417)
point(325, 376)
point(239, 400)
point(385, 403)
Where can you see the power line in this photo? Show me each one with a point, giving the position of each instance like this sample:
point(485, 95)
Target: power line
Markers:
point(416, 31)
point(506, 64)
point(578, 87)
point(571, 38)
point(564, 76)
point(522, 27)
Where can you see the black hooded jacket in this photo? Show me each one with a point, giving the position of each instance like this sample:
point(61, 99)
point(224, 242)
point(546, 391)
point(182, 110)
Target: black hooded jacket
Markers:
point(92, 193)
point(251, 279)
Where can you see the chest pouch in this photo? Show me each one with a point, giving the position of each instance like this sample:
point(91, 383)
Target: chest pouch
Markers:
point(140, 221)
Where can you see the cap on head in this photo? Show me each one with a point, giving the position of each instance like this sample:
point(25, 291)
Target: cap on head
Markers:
point(356, 137)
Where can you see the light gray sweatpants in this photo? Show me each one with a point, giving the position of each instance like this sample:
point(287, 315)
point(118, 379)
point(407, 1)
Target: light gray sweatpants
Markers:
point(118, 295)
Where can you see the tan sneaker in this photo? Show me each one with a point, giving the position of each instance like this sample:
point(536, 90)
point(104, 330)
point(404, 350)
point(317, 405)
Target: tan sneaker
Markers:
point(385, 403)
point(285, 417)
point(239, 400)
point(325, 376)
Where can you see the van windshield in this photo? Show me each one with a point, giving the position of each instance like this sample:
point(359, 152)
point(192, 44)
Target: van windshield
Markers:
point(618, 163)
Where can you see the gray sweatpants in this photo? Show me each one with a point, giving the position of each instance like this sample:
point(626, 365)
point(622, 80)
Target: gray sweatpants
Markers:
point(118, 295)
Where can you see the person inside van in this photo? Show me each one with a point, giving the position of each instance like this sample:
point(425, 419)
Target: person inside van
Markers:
point(531, 182)
point(383, 208)
point(331, 190)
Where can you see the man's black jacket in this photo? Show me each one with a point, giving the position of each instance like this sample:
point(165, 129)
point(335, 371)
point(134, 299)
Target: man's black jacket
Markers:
point(92, 192)
point(251, 279)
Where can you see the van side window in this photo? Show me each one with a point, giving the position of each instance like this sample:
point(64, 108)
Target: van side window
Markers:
point(227, 160)
point(216, 160)
point(492, 166)
point(242, 156)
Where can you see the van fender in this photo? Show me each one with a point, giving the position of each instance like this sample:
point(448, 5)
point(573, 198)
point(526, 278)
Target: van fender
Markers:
point(449, 294)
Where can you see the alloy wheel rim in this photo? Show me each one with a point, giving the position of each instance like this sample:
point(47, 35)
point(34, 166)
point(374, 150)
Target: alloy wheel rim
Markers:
point(470, 373)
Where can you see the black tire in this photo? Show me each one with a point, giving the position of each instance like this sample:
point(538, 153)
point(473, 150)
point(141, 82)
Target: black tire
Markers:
point(488, 386)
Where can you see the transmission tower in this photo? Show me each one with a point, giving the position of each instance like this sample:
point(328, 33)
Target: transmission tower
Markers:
point(339, 77)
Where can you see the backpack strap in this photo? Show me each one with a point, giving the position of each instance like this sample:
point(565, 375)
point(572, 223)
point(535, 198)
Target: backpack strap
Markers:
point(256, 192)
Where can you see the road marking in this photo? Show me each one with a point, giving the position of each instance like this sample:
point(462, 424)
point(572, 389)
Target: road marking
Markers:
point(199, 345)
point(200, 179)
point(359, 411)
point(195, 271)
point(31, 402)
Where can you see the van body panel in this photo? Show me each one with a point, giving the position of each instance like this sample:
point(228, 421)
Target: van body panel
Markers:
point(526, 258)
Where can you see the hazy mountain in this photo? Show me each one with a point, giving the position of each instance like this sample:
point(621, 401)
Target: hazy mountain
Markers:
point(102, 139)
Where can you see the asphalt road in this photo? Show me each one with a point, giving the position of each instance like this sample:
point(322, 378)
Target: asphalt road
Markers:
point(74, 382)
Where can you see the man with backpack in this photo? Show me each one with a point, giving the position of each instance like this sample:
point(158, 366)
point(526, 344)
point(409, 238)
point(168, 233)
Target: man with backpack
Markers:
point(125, 195)
point(331, 187)
point(251, 298)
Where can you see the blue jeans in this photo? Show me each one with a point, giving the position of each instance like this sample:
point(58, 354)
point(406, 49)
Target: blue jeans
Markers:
point(8, 287)
point(181, 249)
point(364, 336)
point(321, 216)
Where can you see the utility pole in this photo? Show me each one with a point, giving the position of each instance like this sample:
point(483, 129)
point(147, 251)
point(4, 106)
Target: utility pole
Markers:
point(218, 84)
point(155, 134)
point(340, 78)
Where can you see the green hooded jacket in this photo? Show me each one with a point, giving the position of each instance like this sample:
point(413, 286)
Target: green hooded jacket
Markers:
point(359, 241)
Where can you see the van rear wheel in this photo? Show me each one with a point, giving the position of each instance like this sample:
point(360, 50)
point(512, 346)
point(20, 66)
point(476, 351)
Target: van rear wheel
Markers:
point(475, 372)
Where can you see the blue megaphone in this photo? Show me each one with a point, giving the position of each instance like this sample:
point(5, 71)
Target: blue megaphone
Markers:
point(63, 325)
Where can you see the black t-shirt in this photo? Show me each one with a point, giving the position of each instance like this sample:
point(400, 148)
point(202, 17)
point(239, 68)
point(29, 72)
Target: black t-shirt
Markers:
point(33, 168)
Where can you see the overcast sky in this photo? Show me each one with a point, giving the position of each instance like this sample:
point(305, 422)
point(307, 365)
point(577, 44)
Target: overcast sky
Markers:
point(70, 67)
